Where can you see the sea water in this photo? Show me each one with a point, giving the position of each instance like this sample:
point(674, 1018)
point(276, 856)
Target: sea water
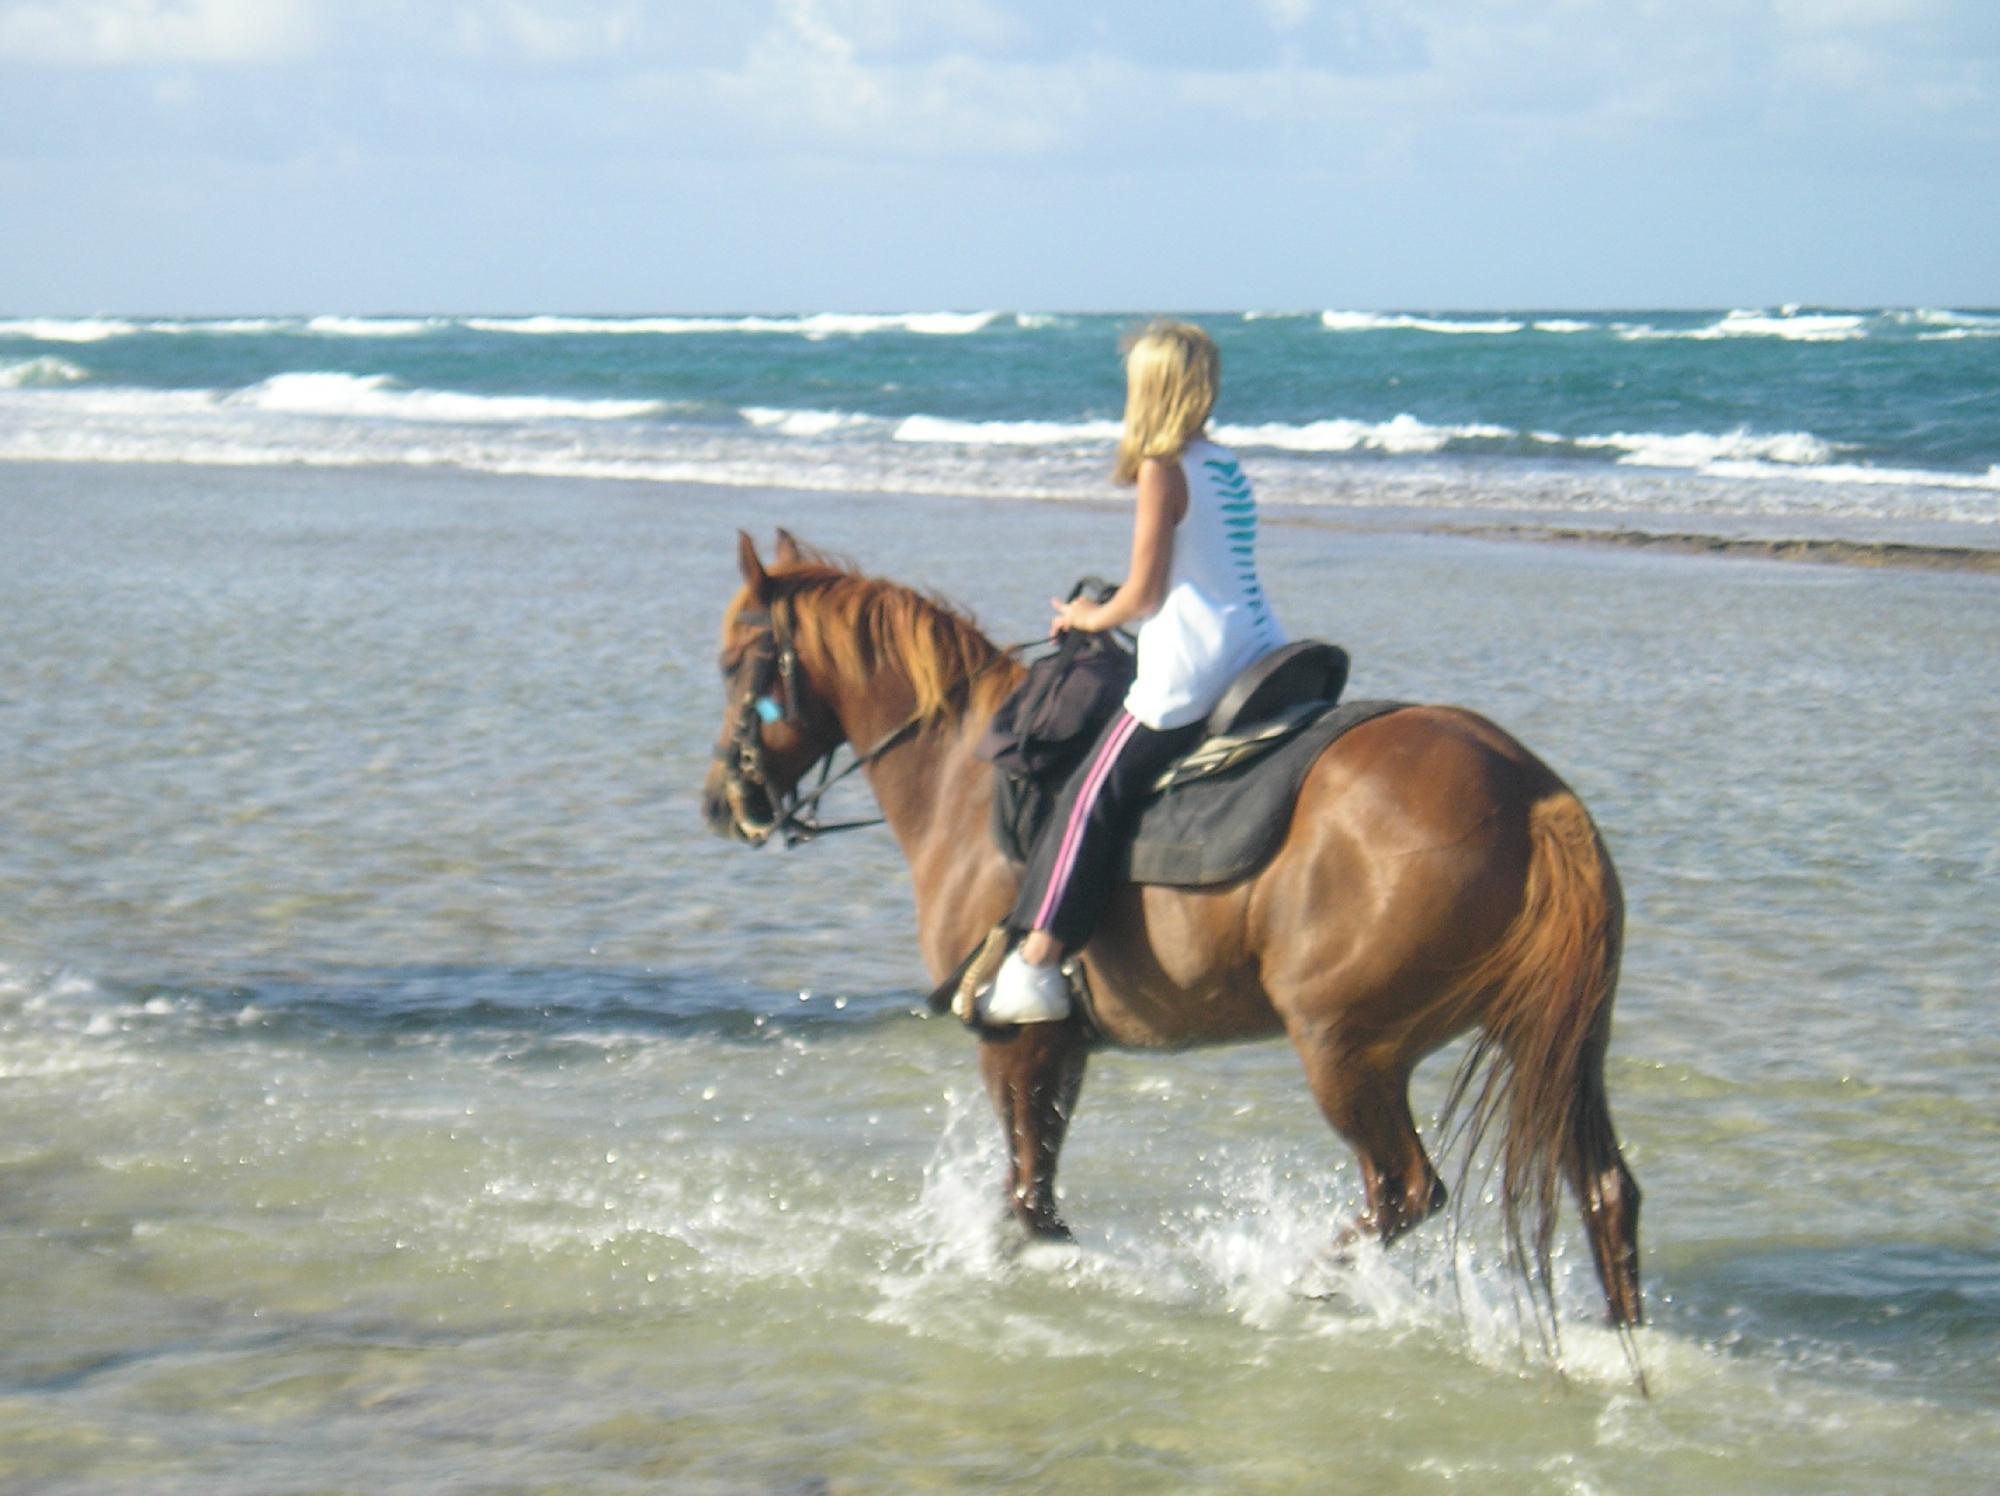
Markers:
point(1873, 422)
point(400, 1090)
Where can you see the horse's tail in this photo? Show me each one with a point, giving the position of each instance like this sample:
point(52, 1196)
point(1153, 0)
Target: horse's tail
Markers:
point(1544, 993)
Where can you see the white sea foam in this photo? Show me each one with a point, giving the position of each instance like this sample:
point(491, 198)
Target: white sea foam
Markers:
point(345, 420)
point(40, 372)
point(1941, 317)
point(1038, 321)
point(805, 423)
point(1004, 433)
point(372, 327)
point(1404, 434)
point(67, 329)
point(55, 409)
point(1791, 326)
point(561, 327)
point(377, 396)
point(817, 325)
point(1856, 474)
point(222, 326)
point(1564, 325)
point(1703, 449)
point(99, 329)
point(1397, 321)
point(931, 324)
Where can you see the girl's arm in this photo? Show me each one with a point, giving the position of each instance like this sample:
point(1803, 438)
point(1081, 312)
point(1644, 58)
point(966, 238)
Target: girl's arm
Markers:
point(1162, 502)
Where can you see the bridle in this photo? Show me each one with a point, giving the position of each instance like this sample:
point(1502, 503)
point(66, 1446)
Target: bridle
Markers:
point(772, 655)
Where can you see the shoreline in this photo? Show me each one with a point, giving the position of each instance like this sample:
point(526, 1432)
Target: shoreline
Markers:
point(1896, 555)
point(1823, 550)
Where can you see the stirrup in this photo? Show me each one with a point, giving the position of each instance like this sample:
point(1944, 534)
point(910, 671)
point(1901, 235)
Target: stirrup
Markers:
point(979, 973)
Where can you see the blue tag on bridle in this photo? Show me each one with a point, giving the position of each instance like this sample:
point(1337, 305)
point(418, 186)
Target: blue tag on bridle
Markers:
point(768, 710)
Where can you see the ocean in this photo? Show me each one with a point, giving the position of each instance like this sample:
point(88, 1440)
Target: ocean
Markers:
point(402, 1091)
point(1868, 423)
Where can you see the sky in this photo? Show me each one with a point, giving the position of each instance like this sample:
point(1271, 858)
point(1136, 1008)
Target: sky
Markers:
point(190, 157)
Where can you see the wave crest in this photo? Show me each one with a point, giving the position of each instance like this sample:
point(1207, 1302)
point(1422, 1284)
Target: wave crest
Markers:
point(1790, 326)
point(1704, 449)
point(1403, 322)
point(373, 327)
point(1004, 433)
point(376, 395)
point(66, 329)
point(802, 423)
point(1402, 435)
point(814, 325)
point(36, 373)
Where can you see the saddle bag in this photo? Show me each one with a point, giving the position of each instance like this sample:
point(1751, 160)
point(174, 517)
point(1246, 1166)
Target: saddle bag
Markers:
point(1043, 730)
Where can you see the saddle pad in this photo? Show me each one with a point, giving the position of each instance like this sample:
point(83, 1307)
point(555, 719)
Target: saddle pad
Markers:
point(1222, 828)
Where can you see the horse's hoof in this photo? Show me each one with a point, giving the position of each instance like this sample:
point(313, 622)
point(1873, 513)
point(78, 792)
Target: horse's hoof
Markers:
point(1035, 1238)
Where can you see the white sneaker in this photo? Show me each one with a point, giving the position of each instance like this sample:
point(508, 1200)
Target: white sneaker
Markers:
point(1025, 994)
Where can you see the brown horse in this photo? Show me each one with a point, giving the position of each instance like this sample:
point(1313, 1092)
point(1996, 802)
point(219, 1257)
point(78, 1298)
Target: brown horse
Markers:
point(1436, 878)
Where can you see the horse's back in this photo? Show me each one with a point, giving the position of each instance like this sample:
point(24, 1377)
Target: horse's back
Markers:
point(1405, 861)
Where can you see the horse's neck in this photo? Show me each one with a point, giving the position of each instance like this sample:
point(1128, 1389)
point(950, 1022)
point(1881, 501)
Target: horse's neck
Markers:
point(923, 777)
point(936, 795)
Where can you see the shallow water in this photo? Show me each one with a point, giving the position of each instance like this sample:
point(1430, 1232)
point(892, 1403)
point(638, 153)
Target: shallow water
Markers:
point(401, 1091)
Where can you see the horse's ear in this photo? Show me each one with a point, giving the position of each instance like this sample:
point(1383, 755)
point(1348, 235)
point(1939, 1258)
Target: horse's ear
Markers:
point(789, 552)
point(755, 577)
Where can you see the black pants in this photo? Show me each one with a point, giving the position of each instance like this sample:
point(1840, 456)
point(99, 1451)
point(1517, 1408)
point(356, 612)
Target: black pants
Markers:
point(1074, 861)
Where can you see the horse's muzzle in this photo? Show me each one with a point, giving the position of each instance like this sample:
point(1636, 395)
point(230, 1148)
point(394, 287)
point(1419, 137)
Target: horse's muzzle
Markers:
point(734, 810)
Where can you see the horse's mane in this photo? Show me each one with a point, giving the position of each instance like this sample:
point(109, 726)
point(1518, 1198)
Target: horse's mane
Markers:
point(852, 625)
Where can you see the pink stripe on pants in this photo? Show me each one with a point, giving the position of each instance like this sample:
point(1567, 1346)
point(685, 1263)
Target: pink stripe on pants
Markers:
point(1079, 815)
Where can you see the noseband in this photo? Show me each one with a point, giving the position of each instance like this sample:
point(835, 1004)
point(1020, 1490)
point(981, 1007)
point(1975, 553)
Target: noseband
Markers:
point(772, 655)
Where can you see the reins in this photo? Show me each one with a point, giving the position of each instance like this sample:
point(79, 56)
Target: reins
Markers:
point(743, 756)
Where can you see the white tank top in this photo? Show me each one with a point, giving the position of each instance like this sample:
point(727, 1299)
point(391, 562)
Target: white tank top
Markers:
point(1214, 621)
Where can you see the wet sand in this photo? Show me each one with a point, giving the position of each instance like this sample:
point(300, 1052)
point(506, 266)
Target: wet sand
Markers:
point(1869, 553)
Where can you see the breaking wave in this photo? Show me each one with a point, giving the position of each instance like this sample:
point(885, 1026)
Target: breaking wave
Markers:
point(38, 372)
point(66, 329)
point(1004, 433)
point(1402, 322)
point(377, 395)
point(1702, 449)
point(816, 325)
point(1791, 326)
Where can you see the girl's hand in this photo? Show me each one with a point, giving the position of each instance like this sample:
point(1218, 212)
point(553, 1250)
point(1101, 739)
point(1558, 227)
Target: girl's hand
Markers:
point(1070, 615)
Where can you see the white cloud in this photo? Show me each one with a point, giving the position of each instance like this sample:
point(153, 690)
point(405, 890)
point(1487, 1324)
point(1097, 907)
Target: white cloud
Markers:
point(807, 86)
point(1286, 15)
point(114, 32)
point(552, 31)
point(1852, 15)
point(1451, 82)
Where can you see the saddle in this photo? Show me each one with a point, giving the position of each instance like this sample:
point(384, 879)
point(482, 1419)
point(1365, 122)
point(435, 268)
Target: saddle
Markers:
point(1218, 812)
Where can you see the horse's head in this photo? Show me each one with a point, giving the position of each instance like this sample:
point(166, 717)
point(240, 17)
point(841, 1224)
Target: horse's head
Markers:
point(773, 729)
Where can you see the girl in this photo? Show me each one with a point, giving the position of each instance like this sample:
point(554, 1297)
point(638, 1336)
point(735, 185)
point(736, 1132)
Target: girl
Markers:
point(1193, 580)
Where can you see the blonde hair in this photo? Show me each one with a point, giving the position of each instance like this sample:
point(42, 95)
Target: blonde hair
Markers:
point(1172, 372)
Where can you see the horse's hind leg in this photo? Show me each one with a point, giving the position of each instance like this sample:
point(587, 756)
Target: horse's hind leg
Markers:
point(1369, 1105)
point(1033, 1073)
point(1606, 1194)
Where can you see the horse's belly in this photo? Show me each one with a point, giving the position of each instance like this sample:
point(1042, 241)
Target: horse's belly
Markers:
point(1182, 1020)
point(1175, 987)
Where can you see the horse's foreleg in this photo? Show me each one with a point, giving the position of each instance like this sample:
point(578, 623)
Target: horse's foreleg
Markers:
point(1033, 1073)
point(1370, 1108)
